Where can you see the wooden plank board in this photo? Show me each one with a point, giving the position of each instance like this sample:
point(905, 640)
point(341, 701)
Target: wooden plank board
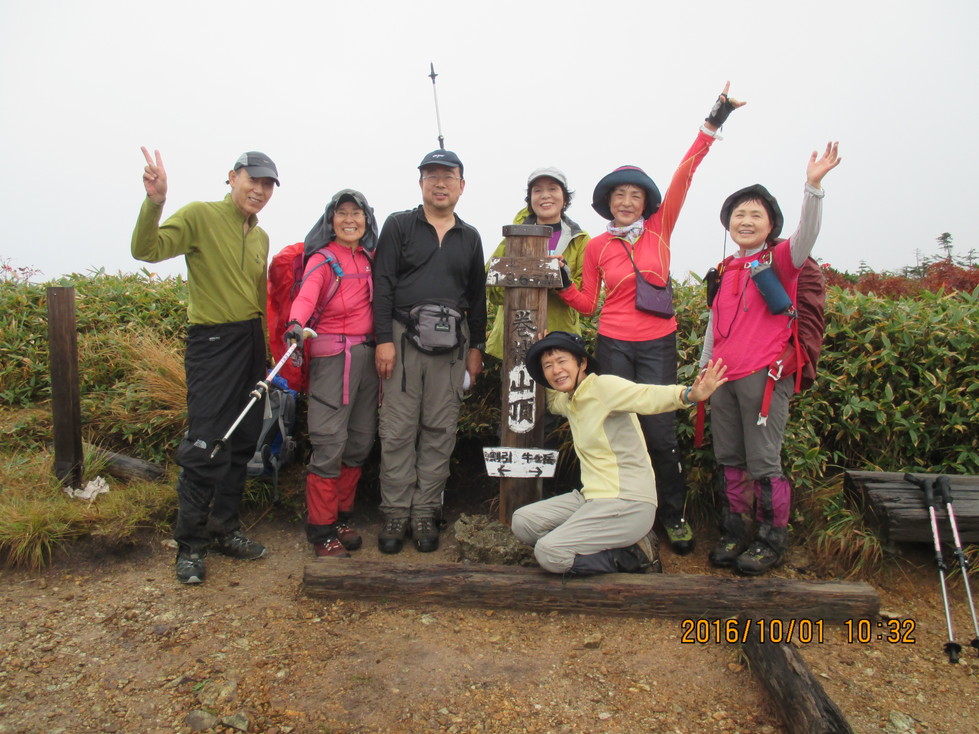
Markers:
point(797, 693)
point(897, 509)
point(523, 272)
point(672, 596)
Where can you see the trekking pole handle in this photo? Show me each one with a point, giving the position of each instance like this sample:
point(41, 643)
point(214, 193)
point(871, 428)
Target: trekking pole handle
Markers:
point(307, 334)
point(925, 485)
point(944, 488)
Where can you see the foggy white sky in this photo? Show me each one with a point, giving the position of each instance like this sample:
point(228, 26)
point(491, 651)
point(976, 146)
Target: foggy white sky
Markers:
point(337, 95)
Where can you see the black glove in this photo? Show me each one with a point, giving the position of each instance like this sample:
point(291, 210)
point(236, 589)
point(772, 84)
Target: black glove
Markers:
point(566, 281)
point(720, 111)
point(294, 334)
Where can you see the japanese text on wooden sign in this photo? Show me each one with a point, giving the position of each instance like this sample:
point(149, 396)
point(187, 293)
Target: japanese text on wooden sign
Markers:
point(511, 462)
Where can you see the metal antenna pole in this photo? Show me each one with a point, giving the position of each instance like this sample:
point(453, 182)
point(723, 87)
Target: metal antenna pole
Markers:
point(438, 119)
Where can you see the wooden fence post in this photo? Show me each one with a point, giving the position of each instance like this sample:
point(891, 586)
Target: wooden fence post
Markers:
point(66, 408)
point(526, 275)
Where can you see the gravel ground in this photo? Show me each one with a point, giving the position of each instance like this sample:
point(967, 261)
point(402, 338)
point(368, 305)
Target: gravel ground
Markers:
point(110, 642)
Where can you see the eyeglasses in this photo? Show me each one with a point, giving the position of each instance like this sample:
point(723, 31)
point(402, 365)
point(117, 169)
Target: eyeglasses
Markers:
point(355, 213)
point(440, 178)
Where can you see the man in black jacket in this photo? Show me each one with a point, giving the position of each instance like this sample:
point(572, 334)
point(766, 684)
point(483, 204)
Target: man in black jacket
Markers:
point(425, 255)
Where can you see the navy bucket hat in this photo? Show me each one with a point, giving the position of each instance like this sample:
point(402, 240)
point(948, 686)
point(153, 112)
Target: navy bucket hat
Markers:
point(557, 340)
point(751, 193)
point(619, 177)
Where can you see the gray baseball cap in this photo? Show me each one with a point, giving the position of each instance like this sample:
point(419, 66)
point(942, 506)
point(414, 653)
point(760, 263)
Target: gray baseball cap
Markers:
point(551, 172)
point(258, 165)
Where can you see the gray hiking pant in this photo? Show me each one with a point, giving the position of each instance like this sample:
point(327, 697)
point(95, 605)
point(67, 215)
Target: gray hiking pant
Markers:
point(342, 433)
point(417, 427)
point(568, 525)
point(737, 438)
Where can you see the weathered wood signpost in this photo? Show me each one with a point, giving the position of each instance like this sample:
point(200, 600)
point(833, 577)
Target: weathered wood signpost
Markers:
point(66, 408)
point(526, 273)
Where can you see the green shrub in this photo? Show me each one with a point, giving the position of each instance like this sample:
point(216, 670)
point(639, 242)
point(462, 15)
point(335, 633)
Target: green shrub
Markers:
point(898, 383)
point(898, 389)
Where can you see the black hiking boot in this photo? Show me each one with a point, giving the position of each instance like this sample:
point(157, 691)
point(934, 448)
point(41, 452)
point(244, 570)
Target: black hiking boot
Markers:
point(732, 543)
point(236, 545)
point(392, 536)
point(190, 567)
point(765, 553)
point(426, 534)
point(633, 559)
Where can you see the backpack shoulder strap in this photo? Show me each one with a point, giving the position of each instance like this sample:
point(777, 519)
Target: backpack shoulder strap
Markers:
point(331, 289)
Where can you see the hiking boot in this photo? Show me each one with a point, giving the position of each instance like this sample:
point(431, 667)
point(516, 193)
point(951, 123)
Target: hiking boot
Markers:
point(734, 538)
point(426, 534)
point(634, 558)
point(393, 534)
point(766, 552)
point(727, 550)
point(236, 545)
point(680, 536)
point(649, 544)
point(190, 567)
point(331, 548)
point(349, 537)
point(758, 559)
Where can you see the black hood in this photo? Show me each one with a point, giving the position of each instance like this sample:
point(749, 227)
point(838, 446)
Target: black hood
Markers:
point(322, 232)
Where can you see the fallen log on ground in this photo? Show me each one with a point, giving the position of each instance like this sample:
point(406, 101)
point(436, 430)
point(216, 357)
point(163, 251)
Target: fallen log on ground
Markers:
point(802, 703)
point(674, 596)
point(127, 467)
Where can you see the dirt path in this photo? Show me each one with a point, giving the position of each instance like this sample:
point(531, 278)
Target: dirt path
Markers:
point(114, 644)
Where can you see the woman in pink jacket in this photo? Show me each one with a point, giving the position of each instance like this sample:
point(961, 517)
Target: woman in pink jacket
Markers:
point(335, 301)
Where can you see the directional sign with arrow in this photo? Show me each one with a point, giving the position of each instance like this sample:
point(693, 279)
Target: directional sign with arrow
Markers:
point(520, 462)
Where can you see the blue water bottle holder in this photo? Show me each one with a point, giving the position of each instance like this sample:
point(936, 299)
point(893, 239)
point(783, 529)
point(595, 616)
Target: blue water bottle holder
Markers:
point(766, 281)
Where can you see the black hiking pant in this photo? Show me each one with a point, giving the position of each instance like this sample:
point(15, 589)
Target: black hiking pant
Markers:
point(223, 362)
point(652, 362)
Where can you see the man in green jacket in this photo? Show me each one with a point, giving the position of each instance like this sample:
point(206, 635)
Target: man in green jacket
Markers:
point(226, 254)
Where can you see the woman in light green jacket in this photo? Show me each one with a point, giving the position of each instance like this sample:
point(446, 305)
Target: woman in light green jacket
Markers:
point(547, 201)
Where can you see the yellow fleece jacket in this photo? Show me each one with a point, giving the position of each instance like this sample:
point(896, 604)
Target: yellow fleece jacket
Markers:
point(607, 436)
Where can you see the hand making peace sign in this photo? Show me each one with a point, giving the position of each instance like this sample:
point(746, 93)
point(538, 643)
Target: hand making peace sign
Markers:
point(154, 177)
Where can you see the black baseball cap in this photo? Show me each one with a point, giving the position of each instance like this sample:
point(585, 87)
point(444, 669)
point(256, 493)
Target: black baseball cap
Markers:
point(258, 165)
point(442, 157)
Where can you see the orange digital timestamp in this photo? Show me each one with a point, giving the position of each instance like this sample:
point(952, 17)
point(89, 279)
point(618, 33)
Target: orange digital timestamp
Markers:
point(891, 631)
point(740, 631)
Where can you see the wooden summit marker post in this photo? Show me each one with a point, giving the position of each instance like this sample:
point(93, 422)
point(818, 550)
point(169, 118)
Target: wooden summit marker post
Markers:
point(66, 410)
point(526, 273)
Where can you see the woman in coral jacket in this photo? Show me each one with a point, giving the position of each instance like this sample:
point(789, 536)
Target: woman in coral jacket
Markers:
point(635, 344)
point(335, 301)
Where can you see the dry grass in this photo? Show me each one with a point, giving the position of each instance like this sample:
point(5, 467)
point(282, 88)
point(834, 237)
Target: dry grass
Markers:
point(37, 517)
point(156, 372)
point(838, 537)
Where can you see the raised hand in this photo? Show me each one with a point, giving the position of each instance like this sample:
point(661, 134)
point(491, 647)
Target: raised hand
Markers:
point(818, 168)
point(723, 106)
point(154, 177)
point(711, 378)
